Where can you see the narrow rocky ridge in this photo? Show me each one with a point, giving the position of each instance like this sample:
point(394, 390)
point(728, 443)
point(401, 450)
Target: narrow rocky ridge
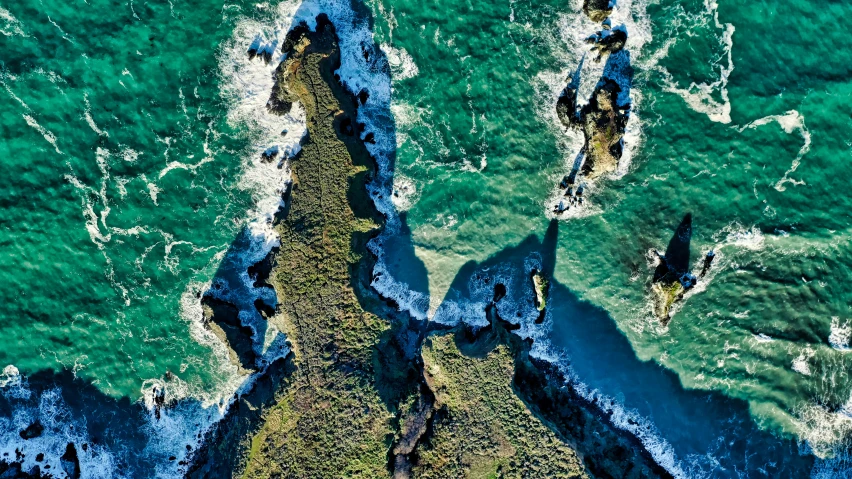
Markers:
point(358, 395)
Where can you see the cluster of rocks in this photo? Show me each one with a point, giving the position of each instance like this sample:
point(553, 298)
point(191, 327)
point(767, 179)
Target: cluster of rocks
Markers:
point(261, 49)
point(603, 119)
point(571, 197)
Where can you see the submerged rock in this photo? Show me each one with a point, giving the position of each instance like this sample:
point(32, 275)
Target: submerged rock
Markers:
point(708, 261)
point(70, 462)
point(32, 431)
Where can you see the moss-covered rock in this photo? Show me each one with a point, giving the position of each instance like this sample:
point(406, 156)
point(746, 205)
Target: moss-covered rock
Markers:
point(541, 287)
point(482, 429)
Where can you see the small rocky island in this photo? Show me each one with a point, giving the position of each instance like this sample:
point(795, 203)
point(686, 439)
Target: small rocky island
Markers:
point(672, 275)
point(603, 119)
point(541, 286)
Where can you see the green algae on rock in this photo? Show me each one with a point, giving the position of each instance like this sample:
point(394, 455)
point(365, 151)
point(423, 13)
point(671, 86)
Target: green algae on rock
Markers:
point(597, 10)
point(672, 277)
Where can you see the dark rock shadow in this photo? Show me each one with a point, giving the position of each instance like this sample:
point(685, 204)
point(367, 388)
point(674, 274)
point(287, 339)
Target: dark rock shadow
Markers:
point(237, 310)
point(710, 432)
point(676, 259)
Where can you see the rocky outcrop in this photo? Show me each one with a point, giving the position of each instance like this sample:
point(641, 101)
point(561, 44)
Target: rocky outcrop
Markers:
point(603, 119)
point(223, 318)
point(598, 10)
point(367, 391)
point(70, 462)
point(603, 122)
point(708, 262)
point(672, 275)
point(541, 286)
point(32, 431)
point(668, 287)
point(608, 41)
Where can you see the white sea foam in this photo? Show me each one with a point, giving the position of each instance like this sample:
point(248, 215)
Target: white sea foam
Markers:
point(10, 377)
point(59, 429)
point(710, 98)
point(763, 338)
point(404, 192)
point(840, 334)
point(401, 63)
point(129, 154)
point(801, 363)
point(87, 115)
point(9, 25)
point(790, 122)
point(45, 133)
point(736, 235)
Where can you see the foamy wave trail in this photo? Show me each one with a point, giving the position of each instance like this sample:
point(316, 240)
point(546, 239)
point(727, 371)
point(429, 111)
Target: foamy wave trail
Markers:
point(790, 122)
point(709, 98)
point(9, 25)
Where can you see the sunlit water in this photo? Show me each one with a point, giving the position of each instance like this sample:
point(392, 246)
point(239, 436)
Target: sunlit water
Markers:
point(130, 141)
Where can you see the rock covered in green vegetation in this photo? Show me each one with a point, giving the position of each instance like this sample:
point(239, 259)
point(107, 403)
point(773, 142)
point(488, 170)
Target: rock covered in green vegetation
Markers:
point(330, 420)
point(603, 122)
point(541, 286)
point(482, 428)
point(364, 393)
point(672, 276)
point(603, 119)
point(608, 40)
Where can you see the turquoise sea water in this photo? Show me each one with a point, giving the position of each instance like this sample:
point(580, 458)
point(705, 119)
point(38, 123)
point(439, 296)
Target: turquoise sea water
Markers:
point(129, 152)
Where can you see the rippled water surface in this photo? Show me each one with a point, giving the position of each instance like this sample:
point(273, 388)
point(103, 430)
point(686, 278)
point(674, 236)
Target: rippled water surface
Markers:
point(130, 140)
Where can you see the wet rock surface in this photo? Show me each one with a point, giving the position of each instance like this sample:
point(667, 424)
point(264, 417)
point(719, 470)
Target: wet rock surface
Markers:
point(32, 431)
point(70, 462)
point(223, 318)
